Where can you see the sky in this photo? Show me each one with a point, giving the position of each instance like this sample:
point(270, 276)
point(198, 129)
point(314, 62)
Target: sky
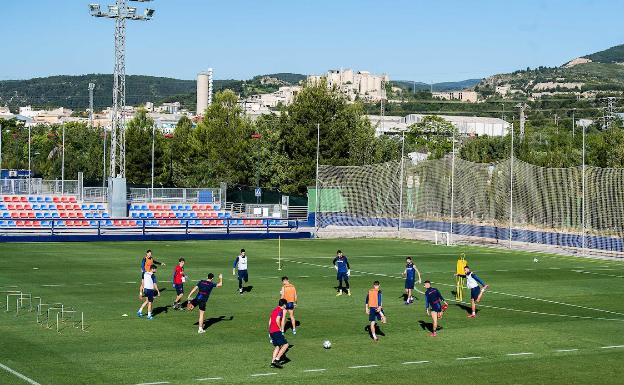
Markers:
point(422, 40)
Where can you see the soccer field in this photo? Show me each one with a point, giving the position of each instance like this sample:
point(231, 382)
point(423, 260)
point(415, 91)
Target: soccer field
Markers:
point(556, 321)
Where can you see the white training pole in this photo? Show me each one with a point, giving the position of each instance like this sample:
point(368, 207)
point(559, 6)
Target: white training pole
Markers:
point(82, 320)
point(279, 253)
point(57, 322)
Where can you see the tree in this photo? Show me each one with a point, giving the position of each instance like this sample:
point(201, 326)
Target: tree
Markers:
point(181, 153)
point(139, 151)
point(433, 135)
point(221, 144)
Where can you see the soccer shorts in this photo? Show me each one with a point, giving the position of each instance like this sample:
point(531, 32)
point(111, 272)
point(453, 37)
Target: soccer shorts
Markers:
point(290, 306)
point(373, 314)
point(436, 307)
point(243, 276)
point(409, 284)
point(179, 288)
point(278, 339)
point(474, 292)
point(149, 294)
point(199, 302)
point(342, 276)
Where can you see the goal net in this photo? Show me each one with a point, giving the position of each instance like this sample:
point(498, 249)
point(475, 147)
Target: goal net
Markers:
point(504, 202)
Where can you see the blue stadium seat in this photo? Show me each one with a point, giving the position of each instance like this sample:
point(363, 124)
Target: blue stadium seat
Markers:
point(46, 223)
point(144, 207)
point(2, 224)
point(36, 207)
point(193, 215)
point(150, 214)
point(47, 215)
point(10, 223)
point(227, 215)
point(47, 199)
point(96, 215)
point(187, 208)
point(142, 215)
point(108, 223)
point(84, 207)
point(92, 207)
point(6, 215)
point(55, 215)
point(220, 215)
point(179, 215)
point(93, 223)
point(59, 223)
point(39, 215)
point(2, 206)
point(32, 199)
point(175, 207)
point(88, 215)
point(186, 215)
point(100, 207)
point(135, 215)
point(105, 215)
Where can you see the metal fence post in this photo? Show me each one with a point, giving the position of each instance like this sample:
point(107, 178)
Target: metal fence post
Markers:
point(227, 224)
point(187, 227)
point(143, 226)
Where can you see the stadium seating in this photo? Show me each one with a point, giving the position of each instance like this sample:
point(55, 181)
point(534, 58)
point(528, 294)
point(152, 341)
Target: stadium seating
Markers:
point(33, 211)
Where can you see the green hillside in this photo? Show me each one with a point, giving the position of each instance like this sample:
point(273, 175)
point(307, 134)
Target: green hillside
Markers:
point(72, 91)
point(611, 55)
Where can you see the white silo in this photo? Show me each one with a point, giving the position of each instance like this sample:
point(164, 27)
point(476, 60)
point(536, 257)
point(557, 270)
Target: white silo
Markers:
point(204, 91)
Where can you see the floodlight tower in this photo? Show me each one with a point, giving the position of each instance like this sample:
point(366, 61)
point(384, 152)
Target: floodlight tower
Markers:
point(120, 12)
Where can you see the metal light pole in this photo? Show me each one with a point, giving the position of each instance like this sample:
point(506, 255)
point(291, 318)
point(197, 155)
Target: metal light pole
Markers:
point(316, 206)
point(450, 240)
point(1, 149)
point(511, 171)
point(153, 139)
point(401, 180)
point(29, 165)
point(63, 164)
point(583, 199)
point(120, 12)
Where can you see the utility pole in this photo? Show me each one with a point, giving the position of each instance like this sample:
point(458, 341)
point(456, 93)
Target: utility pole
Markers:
point(120, 12)
point(573, 122)
point(91, 88)
point(522, 107)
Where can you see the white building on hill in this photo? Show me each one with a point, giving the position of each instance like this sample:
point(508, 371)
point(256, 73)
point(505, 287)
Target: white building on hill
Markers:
point(465, 125)
point(360, 84)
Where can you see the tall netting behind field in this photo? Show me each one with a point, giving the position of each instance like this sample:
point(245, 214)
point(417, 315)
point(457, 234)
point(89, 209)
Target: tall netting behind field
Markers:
point(480, 201)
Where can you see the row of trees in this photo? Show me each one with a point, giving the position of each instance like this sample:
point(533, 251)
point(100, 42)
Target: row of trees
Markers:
point(275, 151)
point(279, 150)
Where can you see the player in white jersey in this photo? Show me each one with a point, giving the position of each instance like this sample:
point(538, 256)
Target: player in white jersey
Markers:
point(476, 292)
point(240, 264)
point(149, 286)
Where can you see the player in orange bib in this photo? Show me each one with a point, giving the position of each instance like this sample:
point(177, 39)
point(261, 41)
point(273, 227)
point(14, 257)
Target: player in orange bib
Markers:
point(289, 293)
point(374, 308)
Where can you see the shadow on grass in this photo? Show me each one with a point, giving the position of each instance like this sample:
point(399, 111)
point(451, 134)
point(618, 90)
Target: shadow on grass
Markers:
point(378, 331)
point(214, 320)
point(289, 325)
point(466, 308)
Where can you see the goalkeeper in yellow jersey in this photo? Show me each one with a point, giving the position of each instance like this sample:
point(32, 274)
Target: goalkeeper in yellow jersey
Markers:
point(460, 277)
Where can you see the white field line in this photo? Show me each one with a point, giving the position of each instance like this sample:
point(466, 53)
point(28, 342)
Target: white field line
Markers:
point(501, 293)
point(263, 374)
point(363, 366)
point(520, 354)
point(612, 347)
point(594, 273)
point(314, 370)
point(209, 379)
point(51, 285)
point(153, 383)
point(414, 362)
point(19, 375)
point(468, 358)
point(566, 350)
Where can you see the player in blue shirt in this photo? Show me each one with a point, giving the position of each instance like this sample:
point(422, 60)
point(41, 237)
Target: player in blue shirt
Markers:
point(410, 279)
point(435, 302)
point(204, 287)
point(341, 264)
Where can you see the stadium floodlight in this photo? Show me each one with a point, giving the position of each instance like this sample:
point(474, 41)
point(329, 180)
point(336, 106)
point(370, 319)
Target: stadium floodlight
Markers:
point(95, 10)
point(120, 11)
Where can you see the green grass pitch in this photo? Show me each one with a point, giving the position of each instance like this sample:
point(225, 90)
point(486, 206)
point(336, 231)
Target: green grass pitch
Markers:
point(565, 313)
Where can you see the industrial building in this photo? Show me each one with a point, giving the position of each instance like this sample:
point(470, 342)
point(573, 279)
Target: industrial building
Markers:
point(465, 125)
point(360, 84)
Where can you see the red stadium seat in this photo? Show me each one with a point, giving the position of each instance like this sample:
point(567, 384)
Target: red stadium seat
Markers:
point(30, 214)
point(63, 214)
point(151, 206)
point(73, 215)
point(56, 199)
point(23, 199)
point(157, 215)
point(7, 199)
point(19, 207)
point(73, 200)
point(14, 214)
point(15, 199)
point(65, 199)
point(194, 207)
point(19, 223)
point(76, 207)
point(80, 214)
point(27, 206)
point(23, 215)
point(60, 206)
point(11, 207)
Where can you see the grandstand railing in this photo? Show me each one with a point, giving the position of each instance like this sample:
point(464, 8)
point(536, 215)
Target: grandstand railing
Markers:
point(38, 186)
point(95, 194)
point(173, 195)
point(142, 226)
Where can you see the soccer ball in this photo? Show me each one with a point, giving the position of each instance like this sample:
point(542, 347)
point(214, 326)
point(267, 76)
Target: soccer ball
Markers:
point(327, 345)
point(535, 260)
